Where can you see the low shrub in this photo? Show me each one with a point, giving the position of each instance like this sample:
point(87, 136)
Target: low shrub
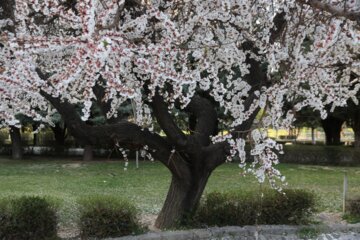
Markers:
point(107, 217)
point(27, 218)
point(353, 207)
point(224, 209)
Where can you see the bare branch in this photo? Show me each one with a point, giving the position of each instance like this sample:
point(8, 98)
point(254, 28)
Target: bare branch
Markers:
point(167, 123)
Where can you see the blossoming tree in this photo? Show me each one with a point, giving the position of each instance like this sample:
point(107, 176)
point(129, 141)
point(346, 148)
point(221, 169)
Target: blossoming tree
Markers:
point(199, 57)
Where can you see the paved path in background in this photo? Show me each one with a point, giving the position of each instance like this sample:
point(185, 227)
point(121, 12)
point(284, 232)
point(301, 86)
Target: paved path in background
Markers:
point(264, 232)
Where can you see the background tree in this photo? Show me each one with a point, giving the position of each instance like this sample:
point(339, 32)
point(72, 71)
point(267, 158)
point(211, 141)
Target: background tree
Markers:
point(332, 126)
point(308, 118)
point(353, 113)
point(189, 56)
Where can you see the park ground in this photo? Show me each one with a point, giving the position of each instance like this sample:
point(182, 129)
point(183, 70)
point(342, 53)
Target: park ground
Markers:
point(68, 180)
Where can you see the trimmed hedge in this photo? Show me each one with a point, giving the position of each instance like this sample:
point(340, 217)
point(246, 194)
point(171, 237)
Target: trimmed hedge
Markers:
point(27, 218)
point(234, 209)
point(321, 155)
point(102, 217)
point(353, 207)
point(316, 155)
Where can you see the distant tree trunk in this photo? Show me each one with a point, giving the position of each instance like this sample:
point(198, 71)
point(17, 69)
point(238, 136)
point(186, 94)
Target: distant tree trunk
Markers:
point(313, 139)
point(357, 138)
point(16, 146)
point(35, 137)
point(88, 153)
point(332, 128)
point(356, 127)
point(59, 134)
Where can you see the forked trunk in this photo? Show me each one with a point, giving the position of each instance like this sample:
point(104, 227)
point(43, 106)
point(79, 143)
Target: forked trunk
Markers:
point(16, 146)
point(181, 201)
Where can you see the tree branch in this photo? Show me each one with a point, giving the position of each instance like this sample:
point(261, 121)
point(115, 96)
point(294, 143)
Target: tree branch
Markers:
point(256, 78)
point(124, 133)
point(216, 154)
point(166, 122)
point(279, 26)
point(242, 130)
point(115, 22)
point(105, 106)
point(206, 118)
point(336, 11)
point(8, 8)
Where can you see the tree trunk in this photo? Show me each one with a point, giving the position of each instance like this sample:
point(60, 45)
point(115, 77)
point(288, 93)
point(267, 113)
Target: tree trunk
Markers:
point(313, 139)
point(17, 151)
point(59, 131)
point(88, 153)
point(355, 124)
point(35, 135)
point(332, 128)
point(59, 135)
point(182, 200)
point(357, 138)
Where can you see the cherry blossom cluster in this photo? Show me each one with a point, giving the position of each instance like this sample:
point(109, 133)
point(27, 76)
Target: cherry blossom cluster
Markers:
point(178, 48)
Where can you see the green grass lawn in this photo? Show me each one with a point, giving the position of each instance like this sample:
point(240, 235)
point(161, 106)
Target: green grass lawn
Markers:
point(68, 181)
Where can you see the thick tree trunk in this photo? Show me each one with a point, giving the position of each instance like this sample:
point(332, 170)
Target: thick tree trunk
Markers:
point(182, 200)
point(332, 128)
point(16, 146)
point(88, 153)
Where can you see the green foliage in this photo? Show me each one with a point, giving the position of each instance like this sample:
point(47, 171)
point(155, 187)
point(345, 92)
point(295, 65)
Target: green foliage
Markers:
point(102, 217)
point(69, 180)
point(308, 233)
point(4, 135)
point(27, 218)
point(353, 210)
point(351, 218)
point(223, 209)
